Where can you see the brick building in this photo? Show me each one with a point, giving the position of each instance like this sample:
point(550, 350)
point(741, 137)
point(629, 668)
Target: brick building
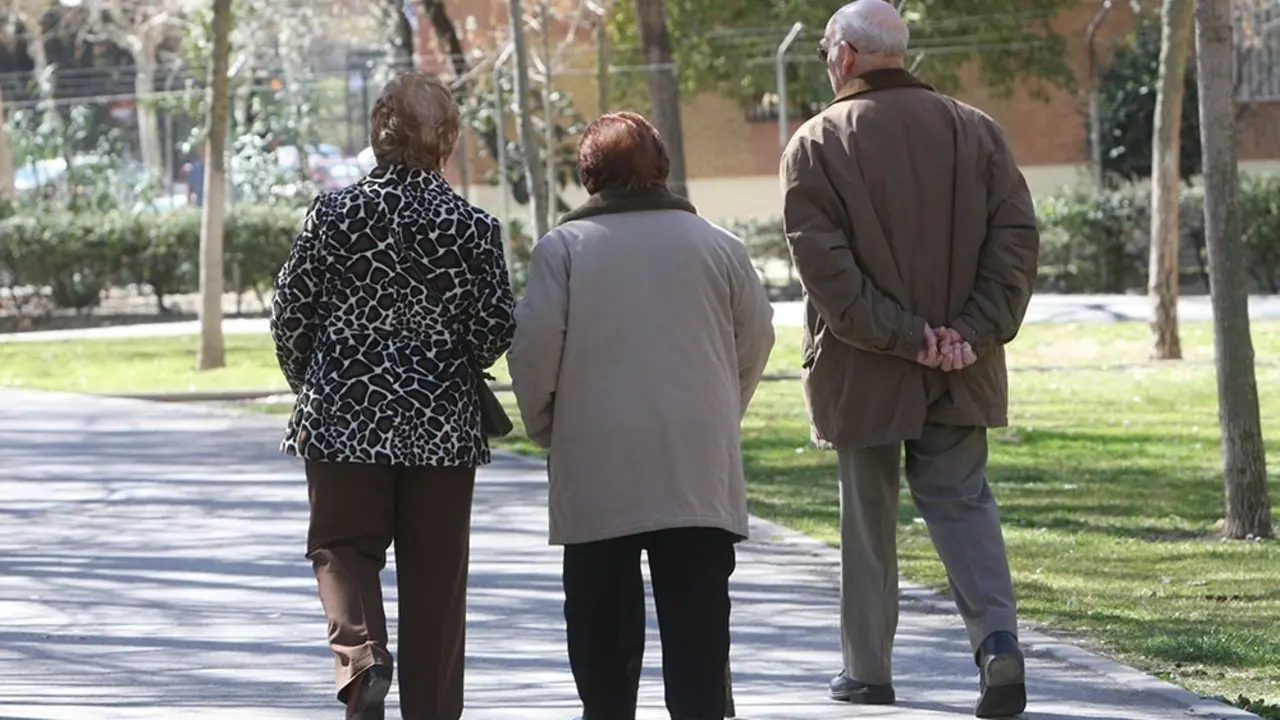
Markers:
point(732, 160)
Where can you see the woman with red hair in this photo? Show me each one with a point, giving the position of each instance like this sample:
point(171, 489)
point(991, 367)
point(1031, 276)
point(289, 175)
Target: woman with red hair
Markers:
point(638, 347)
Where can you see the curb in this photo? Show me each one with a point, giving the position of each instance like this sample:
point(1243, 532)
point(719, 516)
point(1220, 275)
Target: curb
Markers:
point(1196, 706)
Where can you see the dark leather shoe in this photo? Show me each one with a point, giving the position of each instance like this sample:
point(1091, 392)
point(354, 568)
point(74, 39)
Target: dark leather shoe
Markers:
point(846, 689)
point(367, 699)
point(1002, 677)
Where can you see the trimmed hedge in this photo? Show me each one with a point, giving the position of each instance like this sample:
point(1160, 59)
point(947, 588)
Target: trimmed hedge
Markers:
point(1097, 241)
point(78, 256)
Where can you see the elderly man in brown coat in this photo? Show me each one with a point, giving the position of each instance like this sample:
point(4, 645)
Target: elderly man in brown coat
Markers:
point(915, 237)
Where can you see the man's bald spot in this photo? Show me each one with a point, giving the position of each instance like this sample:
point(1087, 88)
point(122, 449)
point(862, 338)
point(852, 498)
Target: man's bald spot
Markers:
point(872, 26)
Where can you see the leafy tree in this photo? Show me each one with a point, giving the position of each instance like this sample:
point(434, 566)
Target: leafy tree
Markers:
point(480, 113)
point(729, 46)
point(272, 94)
point(1127, 104)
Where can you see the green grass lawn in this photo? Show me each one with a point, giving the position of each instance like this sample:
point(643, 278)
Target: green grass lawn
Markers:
point(1109, 478)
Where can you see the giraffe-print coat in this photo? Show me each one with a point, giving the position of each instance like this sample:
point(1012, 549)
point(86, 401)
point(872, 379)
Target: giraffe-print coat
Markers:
point(375, 346)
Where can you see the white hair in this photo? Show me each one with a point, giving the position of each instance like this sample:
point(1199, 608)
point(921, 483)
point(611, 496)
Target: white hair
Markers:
point(872, 27)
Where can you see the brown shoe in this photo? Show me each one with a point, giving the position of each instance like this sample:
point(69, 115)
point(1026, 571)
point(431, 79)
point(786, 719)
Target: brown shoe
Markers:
point(365, 699)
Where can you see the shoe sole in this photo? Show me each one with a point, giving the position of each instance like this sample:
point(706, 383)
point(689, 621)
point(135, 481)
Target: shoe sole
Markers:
point(1005, 687)
point(877, 697)
point(370, 705)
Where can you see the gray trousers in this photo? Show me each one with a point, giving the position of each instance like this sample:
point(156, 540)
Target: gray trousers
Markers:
point(946, 473)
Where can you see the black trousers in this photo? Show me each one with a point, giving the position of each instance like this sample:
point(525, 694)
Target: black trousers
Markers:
point(605, 616)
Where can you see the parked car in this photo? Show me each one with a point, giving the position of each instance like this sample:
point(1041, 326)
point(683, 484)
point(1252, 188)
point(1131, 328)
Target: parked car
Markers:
point(44, 176)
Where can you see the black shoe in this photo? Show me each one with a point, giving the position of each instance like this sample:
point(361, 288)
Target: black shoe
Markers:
point(1002, 677)
point(366, 701)
point(846, 689)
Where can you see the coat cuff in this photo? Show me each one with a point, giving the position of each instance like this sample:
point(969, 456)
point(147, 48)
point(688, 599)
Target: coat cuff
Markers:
point(910, 337)
point(970, 335)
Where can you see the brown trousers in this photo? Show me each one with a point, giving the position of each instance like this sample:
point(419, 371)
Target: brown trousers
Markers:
point(357, 511)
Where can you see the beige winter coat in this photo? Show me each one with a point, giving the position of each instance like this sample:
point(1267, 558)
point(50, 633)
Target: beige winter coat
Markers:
point(638, 347)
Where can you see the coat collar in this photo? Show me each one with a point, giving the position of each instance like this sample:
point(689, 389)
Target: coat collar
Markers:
point(612, 201)
point(383, 175)
point(886, 79)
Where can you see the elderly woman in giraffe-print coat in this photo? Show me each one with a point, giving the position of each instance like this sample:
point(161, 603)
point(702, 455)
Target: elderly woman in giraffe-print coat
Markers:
point(395, 290)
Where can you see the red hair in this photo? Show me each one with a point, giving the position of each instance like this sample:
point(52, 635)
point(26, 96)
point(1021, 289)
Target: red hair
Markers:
point(622, 151)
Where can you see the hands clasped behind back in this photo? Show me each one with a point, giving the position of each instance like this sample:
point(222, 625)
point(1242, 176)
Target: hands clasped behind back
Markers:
point(945, 349)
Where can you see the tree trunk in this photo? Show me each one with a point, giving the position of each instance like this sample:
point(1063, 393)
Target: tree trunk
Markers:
point(1244, 461)
point(45, 82)
point(1177, 18)
point(528, 137)
point(144, 86)
point(402, 48)
point(211, 354)
point(548, 114)
point(39, 58)
point(446, 35)
point(602, 67)
point(664, 93)
point(6, 157)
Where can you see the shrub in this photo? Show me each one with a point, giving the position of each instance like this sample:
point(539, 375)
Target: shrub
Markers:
point(258, 241)
point(161, 251)
point(1093, 241)
point(1260, 229)
point(1096, 240)
point(77, 256)
point(767, 244)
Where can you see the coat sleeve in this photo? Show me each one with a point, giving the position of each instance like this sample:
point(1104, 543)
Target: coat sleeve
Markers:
point(492, 324)
point(297, 307)
point(753, 331)
point(1006, 278)
point(857, 312)
point(541, 319)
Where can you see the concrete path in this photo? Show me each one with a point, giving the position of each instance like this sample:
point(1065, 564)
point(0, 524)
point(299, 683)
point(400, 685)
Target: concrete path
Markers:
point(1044, 309)
point(151, 568)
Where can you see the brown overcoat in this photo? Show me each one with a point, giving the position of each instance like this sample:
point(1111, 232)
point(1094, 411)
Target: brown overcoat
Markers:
point(904, 207)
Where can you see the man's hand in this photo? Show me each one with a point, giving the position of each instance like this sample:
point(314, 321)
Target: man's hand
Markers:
point(945, 349)
point(929, 354)
point(955, 352)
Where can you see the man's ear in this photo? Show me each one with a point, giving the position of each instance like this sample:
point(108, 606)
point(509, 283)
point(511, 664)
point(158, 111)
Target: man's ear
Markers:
point(848, 60)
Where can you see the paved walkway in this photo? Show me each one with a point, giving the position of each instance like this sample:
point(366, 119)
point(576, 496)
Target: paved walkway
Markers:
point(1044, 309)
point(151, 567)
